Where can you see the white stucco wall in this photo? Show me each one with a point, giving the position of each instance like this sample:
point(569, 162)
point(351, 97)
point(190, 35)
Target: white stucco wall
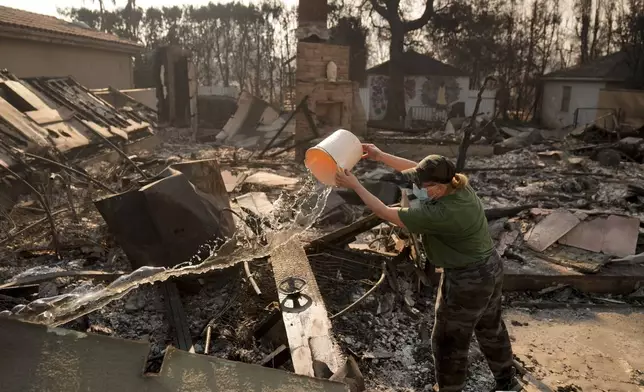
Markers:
point(93, 68)
point(414, 101)
point(487, 106)
point(582, 95)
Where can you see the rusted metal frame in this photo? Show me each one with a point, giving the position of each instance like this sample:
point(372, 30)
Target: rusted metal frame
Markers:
point(65, 102)
point(59, 91)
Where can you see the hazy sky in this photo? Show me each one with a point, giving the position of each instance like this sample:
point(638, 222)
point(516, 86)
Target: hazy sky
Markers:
point(48, 7)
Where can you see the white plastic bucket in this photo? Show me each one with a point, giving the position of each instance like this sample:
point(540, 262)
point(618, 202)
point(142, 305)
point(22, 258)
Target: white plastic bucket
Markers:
point(340, 150)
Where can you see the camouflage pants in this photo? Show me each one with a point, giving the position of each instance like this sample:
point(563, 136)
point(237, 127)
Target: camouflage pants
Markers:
point(469, 301)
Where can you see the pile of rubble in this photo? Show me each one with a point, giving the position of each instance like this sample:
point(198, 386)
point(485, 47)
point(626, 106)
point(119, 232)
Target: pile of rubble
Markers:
point(565, 215)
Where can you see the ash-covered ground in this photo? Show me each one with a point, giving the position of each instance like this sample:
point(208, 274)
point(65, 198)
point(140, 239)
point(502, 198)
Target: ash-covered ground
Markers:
point(389, 333)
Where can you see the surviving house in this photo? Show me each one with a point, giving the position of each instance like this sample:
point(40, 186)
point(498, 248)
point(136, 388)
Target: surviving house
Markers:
point(433, 90)
point(572, 96)
point(40, 45)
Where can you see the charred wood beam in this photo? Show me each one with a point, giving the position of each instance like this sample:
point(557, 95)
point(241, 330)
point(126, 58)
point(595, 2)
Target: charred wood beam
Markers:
point(290, 117)
point(313, 348)
point(503, 212)
point(277, 358)
point(177, 316)
point(346, 234)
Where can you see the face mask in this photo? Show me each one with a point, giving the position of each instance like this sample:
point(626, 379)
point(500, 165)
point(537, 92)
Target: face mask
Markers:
point(421, 194)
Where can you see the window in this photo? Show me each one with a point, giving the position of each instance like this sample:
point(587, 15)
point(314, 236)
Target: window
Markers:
point(565, 99)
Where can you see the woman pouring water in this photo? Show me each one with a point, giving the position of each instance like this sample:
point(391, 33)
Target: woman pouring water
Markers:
point(454, 230)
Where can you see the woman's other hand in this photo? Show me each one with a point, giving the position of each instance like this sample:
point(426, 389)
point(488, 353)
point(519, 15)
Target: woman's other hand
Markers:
point(346, 179)
point(370, 151)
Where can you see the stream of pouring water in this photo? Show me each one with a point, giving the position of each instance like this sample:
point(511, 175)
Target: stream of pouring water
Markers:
point(293, 214)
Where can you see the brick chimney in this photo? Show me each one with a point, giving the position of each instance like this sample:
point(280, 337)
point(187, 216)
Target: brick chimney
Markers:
point(312, 19)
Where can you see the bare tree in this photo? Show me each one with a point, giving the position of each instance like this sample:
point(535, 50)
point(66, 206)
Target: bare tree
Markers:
point(390, 11)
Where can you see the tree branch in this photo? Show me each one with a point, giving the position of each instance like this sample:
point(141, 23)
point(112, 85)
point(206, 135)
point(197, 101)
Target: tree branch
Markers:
point(381, 10)
point(467, 134)
point(423, 20)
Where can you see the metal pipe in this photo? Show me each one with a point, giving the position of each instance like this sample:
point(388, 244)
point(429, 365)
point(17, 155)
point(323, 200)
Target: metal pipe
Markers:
point(250, 278)
point(207, 345)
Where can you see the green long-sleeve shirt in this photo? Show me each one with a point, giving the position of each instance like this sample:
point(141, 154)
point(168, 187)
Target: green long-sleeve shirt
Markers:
point(454, 229)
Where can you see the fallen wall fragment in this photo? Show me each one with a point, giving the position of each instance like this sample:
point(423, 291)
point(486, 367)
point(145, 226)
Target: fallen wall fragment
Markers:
point(61, 360)
point(614, 235)
point(167, 222)
point(253, 124)
point(550, 229)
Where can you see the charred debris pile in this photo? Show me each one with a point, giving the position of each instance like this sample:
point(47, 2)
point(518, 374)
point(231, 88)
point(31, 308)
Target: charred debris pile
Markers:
point(92, 193)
